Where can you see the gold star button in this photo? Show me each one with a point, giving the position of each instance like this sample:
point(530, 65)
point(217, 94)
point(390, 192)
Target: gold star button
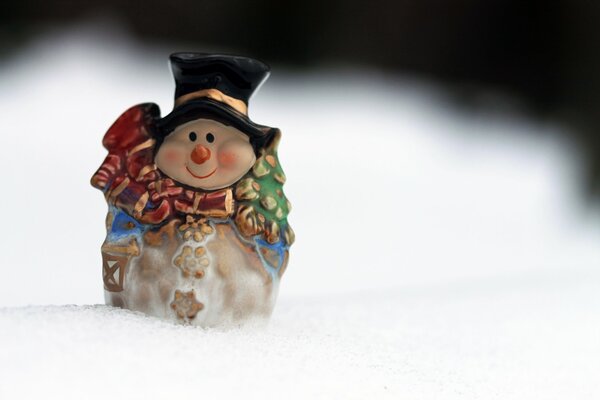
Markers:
point(185, 305)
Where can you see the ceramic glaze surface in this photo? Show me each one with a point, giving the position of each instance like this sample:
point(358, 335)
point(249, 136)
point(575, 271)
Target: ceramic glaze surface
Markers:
point(205, 154)
point(197, 227)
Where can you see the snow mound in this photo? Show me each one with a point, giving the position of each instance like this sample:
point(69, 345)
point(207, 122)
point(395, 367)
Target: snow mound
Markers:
point(522, 338)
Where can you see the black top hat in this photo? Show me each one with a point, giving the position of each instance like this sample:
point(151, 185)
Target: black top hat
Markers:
point(218, 87)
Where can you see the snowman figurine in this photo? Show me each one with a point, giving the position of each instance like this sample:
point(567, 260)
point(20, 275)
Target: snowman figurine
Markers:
point(197, 227)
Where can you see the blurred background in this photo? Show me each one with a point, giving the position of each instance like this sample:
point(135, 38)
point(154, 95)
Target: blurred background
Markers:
point(541, 54)
point(443, 141)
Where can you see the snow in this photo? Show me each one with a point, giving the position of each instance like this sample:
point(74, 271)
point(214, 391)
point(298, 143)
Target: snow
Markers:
point(526, 338)
point(456, 262)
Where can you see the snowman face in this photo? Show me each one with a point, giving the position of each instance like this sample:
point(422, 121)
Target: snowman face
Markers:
point(205, 154)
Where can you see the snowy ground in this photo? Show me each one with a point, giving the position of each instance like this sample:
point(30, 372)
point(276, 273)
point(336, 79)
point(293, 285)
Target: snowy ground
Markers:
point(456, 262)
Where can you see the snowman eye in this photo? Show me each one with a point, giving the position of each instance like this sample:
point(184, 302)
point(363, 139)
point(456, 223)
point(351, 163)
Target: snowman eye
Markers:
point(210, 137)
point(193, 136)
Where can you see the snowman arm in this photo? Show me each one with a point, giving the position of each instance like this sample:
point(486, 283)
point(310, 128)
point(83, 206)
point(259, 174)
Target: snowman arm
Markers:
point(129, 144)
point(132, 128)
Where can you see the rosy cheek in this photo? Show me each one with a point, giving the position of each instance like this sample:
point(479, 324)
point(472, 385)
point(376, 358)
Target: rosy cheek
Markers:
point(227, 159)
point(172, 156)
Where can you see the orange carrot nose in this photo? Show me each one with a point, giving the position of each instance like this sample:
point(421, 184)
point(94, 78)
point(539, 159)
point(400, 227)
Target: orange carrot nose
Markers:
point(200, 154)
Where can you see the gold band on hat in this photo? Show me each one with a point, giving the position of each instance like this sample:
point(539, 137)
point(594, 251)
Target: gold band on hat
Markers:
point(214, 94)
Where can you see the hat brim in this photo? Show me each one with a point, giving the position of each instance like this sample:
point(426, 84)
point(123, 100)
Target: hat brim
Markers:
point(209, 108)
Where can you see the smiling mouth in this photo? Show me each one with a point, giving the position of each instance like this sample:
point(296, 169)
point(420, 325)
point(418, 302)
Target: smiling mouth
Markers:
point(200, 176)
